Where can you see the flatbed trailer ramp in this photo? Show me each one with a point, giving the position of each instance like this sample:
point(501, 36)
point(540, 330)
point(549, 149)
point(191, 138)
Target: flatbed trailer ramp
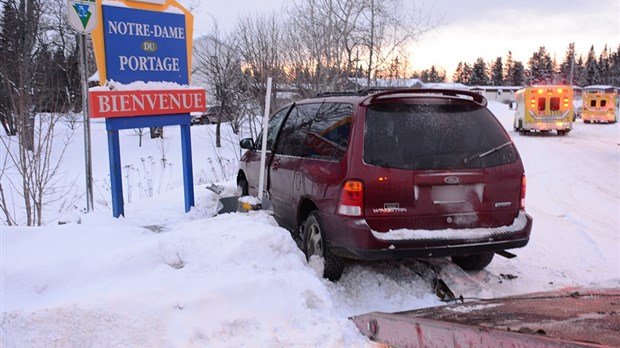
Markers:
point(573, 318)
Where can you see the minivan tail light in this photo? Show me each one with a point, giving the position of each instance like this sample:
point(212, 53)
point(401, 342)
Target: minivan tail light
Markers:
point(351, 200)
point(523, 186)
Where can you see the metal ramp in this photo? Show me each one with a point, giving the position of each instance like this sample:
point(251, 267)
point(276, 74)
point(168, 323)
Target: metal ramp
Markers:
point(575, 318)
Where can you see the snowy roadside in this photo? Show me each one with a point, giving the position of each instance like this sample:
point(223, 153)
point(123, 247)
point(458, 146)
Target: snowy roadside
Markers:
point(160, 277)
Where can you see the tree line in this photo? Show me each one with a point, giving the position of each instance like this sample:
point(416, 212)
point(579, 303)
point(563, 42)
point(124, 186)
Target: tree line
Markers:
point(542, 69)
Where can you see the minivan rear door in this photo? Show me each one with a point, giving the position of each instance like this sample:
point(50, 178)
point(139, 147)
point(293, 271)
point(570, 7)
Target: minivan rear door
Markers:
point(437, 165)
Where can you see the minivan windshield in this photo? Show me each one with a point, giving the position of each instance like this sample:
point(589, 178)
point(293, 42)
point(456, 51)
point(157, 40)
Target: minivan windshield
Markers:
point(434, 137)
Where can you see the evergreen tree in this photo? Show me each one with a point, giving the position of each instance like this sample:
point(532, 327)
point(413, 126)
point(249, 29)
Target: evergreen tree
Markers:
point(541, 67)
point(497, 73)
point(74, 80)
point(604, 66)
point(462, 74)
point(518, 74)
point(432, 75)
point(43, 65)
point(467, 74)
point(479, 75)
point(508, 70)
point(591, 70)
point(580, 76)
point(457, 77)
point(566, 72)
point(614, 66)
point(9, 48)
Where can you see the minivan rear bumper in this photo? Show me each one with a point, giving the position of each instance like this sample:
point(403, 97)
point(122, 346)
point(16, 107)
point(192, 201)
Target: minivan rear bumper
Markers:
point(357, 241)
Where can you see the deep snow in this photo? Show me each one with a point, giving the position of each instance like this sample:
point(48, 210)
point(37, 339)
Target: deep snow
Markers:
point(160, 277)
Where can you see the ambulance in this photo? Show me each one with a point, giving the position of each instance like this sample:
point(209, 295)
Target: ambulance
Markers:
point(600, 104)
point(544, 109)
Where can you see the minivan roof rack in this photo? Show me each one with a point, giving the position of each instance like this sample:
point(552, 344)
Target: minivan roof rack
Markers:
point(372, 90)
point(338, 94)
point(359, 93)
point(477, 98)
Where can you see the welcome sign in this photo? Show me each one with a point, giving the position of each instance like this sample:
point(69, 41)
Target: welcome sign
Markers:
point(143, 103)
point(144, 43)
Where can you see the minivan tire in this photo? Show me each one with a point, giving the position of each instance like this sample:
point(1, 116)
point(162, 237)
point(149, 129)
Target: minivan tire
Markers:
point(475, 262)
point(314, 244)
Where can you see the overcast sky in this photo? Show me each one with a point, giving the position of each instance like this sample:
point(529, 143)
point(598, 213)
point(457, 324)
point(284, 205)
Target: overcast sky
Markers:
point(474, 28)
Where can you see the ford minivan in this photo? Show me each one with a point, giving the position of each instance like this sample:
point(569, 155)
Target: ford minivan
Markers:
point(395, 174)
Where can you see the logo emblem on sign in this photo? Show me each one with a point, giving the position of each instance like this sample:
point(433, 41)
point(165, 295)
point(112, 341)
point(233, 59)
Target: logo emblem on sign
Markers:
point(83, 13)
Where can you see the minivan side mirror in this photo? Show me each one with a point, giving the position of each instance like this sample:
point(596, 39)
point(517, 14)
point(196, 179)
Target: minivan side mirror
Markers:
point(247, 143)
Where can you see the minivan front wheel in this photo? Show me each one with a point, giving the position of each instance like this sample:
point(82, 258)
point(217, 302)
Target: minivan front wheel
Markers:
point(243, 185)
point(475, 262)
point(315, 245)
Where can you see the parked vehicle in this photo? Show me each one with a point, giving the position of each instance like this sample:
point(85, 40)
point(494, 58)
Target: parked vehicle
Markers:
point(210, 116)
point(544, 109)
point(600, 104)
point(396, 174)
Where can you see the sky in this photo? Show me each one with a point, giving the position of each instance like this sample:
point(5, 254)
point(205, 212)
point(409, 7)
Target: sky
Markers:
point(468, 30)
point(160, 277)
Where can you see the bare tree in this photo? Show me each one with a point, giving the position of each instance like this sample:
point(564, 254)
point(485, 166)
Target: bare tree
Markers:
point(330, 40)
point(322, 36)
point(34, 176)
point(390, 26)
point(29, 166)
point(217, 58)
point(261, 46)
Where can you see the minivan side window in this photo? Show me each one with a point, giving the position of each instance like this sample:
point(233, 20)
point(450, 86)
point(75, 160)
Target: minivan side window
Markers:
point(295, 129)
point(329, 133)
point(272, 129)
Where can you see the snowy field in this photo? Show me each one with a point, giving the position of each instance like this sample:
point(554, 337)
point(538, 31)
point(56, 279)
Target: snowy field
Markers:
point(163, 278)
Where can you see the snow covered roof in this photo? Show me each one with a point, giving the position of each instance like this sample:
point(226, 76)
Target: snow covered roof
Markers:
point(445, 85)
point(598, 87)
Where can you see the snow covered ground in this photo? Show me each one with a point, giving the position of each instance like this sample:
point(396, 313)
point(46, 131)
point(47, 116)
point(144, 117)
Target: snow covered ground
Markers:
point(163, 278)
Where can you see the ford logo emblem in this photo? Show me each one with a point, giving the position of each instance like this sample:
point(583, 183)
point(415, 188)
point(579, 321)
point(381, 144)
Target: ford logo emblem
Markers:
point(451, 180)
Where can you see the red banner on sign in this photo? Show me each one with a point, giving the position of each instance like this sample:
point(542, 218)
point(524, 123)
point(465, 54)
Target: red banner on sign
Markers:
point(146, 103)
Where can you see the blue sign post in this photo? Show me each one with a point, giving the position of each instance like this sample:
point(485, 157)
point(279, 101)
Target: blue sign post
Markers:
point(140, 42)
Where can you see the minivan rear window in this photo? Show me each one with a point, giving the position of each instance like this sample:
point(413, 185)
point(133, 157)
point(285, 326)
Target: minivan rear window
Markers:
point(435, 136)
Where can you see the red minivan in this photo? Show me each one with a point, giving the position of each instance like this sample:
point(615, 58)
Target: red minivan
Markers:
point(406, 173)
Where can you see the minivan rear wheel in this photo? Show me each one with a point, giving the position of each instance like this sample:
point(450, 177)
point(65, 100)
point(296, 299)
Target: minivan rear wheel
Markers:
point(315, 245)
point(475, 262)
